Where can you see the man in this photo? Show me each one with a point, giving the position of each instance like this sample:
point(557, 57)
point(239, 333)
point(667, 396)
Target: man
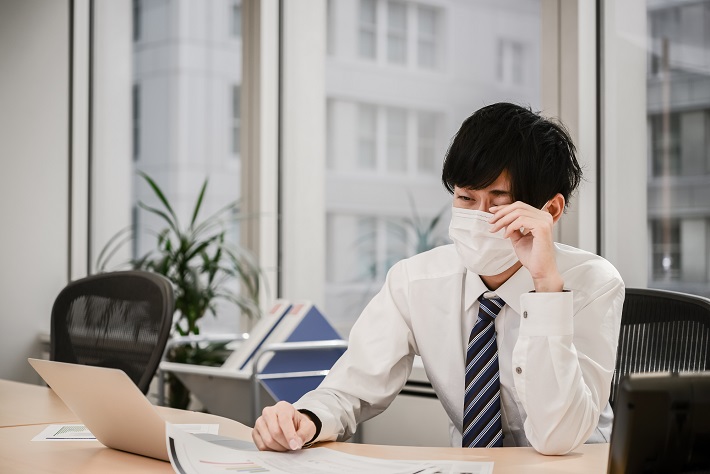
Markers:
point(517, 334)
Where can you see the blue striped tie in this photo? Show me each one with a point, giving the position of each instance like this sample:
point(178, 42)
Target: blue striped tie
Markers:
point(482, 425)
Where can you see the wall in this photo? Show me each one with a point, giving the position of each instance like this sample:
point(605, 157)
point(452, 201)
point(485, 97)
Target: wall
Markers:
point(34, 125)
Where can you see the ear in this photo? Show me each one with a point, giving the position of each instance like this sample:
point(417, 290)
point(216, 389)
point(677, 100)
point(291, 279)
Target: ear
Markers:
point(556, 206)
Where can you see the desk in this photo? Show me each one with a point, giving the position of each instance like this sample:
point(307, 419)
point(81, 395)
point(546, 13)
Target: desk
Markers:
point(23, 406)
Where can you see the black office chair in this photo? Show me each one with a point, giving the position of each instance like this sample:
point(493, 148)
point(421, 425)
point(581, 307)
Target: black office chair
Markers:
point(662, 331)
point(119, 319)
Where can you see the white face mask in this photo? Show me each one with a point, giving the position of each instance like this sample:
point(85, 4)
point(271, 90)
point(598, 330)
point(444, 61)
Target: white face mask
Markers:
point(481, 251)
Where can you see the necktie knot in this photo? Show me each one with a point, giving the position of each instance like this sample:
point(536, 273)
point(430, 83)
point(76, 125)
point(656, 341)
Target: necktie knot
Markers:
point(489, 307)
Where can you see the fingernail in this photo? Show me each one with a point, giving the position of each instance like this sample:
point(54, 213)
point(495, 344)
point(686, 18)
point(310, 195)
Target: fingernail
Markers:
point(493, 208)
point(294, 444)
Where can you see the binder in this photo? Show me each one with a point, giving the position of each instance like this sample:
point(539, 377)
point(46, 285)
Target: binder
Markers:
point(303, 323)
point(241, 358)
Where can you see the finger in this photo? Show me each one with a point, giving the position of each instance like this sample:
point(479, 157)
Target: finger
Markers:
point(287, 423)
point(306, 428)
point(525, 226)
point(521, 226)
point(262, 433)
point(256, 437)
point(507, 219)
point(272, 435)
point(503, 209)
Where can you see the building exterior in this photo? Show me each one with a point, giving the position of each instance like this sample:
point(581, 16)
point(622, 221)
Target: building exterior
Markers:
point(400, 78)
point(678, 105)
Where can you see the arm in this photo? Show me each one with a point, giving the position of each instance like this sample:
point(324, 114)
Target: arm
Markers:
point(566, 364)
point(362, 383)
point(563, 360)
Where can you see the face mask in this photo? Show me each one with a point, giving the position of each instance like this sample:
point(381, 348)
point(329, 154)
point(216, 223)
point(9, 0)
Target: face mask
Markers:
point(481, 252)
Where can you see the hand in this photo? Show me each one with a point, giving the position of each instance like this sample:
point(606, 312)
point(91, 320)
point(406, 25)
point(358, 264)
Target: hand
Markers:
point(282, 428)
point(530, 231)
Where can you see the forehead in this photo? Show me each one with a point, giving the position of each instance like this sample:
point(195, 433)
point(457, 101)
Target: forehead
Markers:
point(500, 185)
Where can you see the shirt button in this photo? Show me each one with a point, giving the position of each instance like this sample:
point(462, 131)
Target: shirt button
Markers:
point(518, 370)
point(525, 314)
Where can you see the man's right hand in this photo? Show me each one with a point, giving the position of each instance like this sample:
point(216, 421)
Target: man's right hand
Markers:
point(282, 428)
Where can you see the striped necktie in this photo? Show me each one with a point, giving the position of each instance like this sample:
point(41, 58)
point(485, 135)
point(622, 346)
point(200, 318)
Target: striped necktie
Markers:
point(482, 425)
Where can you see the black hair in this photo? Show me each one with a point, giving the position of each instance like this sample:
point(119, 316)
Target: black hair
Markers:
point(537, 153)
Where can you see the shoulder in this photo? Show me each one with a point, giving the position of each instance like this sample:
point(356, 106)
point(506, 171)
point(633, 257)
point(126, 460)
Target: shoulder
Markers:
point(439, 262)
point(585, 271)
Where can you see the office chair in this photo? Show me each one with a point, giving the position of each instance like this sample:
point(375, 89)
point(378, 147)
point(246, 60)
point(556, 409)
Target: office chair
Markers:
point(662, 331)
point(120, 320)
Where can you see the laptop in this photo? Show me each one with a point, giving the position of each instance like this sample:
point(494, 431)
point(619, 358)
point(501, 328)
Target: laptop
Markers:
point(109, 404)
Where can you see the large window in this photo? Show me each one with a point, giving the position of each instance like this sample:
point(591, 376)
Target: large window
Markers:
point(401, 78)
point(657, 102)
point(679, 181)
point(184, 64)
point(399, 33)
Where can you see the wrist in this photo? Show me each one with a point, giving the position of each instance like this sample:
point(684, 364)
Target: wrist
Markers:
point(316, 421)
point(549, 284)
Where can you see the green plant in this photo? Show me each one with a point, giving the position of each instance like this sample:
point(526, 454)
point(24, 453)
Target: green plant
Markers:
point(202, 265)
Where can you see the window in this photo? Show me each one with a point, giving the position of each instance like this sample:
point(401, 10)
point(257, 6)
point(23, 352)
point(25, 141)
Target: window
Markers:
point(666, 144)
point(402, 78)
point(236, 19)
point(367, 139)
point(666, 258)
point(396, 33)
point(367, 38)
point(184, 122)
point(397, 245)
point(136, 20)
point(511, 60)
point(427, 159)
point(427, 35)
point(407, 143)
point(410, 33)
point(367, 248)
point(136, 109)
point(396, 140)
point(236, 119)
point(660, 235)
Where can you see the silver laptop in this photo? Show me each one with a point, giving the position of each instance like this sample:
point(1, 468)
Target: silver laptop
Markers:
point(110, 405)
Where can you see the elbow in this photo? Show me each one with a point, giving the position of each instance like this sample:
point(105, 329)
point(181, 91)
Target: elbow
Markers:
point(559, 441)
point(554, 447)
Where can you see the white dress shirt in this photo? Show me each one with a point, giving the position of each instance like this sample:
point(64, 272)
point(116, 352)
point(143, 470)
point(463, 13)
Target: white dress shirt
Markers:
point(556, 351)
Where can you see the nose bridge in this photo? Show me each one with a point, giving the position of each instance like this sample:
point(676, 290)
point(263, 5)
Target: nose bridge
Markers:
point(483, 203)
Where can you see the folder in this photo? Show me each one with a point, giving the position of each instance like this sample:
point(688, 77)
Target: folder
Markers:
point(303, 323)
point(241, 358)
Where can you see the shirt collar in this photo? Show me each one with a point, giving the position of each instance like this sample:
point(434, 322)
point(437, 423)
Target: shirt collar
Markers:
point(510, 291)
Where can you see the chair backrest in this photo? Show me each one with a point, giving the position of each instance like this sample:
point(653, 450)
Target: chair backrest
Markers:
point(662, 331)
point(120, 320)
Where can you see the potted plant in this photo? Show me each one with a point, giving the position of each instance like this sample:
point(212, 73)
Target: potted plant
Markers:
point(203, 267)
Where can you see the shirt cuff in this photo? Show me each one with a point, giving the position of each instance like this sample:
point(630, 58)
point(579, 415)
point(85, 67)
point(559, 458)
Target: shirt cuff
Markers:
point(546, 314)
point(316, 421)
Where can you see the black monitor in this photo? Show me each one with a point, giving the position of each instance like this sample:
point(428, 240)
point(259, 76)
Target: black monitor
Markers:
point(661, 424)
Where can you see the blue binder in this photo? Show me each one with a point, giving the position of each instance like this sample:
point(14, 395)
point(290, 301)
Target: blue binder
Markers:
point(304, 322)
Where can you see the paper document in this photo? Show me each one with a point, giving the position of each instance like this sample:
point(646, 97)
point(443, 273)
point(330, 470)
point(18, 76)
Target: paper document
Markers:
point(65, 433)
point(190, 454)
point(77, 432)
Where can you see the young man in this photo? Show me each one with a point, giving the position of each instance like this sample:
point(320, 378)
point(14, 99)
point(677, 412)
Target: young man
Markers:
point(517, 334)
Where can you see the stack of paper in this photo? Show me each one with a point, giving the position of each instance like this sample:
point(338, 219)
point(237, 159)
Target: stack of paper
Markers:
point(190, 454)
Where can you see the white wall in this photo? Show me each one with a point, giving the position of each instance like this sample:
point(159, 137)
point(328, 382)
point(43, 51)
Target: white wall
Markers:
point(34, 126)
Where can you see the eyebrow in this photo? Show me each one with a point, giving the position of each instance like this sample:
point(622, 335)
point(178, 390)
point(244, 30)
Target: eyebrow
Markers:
point(500, 192)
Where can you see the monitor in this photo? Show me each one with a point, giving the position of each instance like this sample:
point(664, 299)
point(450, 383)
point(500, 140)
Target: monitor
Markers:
point(661, 424)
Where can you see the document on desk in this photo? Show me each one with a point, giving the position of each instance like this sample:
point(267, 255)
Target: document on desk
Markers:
point(190, 454)
point(78, 432)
